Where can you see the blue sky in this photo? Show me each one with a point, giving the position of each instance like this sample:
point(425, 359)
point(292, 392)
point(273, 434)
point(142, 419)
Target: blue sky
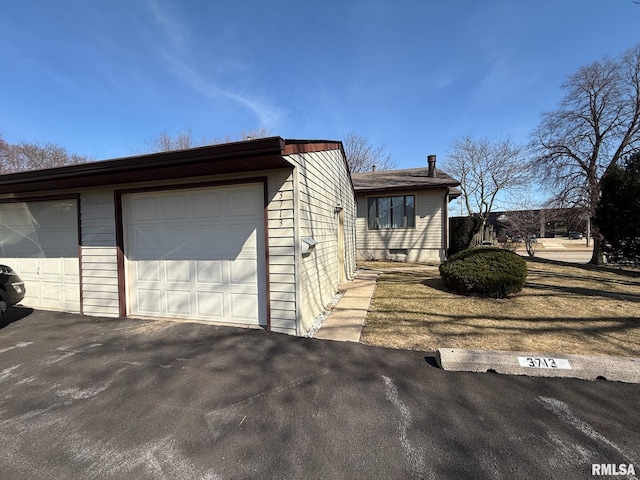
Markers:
point(101, 78)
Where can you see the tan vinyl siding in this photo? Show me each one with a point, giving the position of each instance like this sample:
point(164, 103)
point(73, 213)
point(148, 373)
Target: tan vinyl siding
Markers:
point(323, 183)
point(424, 243)
point(99, 267)
point(282, 277)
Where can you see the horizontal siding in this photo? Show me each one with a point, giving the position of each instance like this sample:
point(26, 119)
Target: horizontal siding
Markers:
point(324, 183)
point(282, 278)
point(99, 265)
point(424, 243)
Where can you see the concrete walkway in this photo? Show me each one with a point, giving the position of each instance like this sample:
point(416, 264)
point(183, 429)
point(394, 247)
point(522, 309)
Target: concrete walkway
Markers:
point(346, 320)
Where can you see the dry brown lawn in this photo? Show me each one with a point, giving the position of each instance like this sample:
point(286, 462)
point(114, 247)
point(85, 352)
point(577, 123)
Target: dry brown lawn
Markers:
point(563, 308)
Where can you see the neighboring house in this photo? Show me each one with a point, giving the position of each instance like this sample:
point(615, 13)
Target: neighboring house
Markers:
point(403, 214)
point(255, 233)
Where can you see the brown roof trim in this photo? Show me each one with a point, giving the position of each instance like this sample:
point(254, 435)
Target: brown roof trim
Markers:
point(249, 155)
point(245, 156)
point(307, 146)
point(403, 189)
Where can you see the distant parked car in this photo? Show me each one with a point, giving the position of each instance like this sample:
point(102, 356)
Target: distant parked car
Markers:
point(12, 289)
point(517, 239)
point(533, 239)
point(575, 236)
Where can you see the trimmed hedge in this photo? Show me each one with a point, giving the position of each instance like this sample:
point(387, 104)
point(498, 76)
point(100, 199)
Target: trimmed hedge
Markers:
point(486, 271)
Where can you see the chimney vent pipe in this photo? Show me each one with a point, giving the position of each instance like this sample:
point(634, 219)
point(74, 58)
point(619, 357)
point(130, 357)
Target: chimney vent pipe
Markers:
point(431, 161)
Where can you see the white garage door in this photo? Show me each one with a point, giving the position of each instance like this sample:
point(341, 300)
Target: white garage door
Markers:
point(196, 254)
point(39, 240)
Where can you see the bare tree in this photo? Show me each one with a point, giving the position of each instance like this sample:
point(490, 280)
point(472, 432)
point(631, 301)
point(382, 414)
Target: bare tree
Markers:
point(485, 168)
point(185, 138)
point(165, 142)
point(35, 156)
point(364, 157)
point(5, 150)
point(526, 224)
point(595, 126)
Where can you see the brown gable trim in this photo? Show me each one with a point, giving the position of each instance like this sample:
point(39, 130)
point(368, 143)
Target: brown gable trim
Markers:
point(307, 147)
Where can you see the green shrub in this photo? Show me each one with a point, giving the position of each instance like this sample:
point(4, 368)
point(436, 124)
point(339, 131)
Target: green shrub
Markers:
point(461, 232)
point(487, 271)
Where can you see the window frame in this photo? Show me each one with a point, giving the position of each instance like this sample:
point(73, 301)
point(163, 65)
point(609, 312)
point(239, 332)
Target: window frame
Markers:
point(408, 221)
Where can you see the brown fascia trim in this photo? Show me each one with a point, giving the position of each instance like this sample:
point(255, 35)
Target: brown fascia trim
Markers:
point(307, 146)
point(249, 148)
point(408, 188)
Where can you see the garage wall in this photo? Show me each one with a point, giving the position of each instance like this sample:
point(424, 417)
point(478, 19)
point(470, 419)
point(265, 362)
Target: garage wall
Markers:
point(282, 252)
point(424, 243)
point(98, 261)
point(323, 183)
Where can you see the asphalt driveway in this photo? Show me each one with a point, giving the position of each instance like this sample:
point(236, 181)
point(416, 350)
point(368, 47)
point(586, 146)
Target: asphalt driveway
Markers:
point(85, 397)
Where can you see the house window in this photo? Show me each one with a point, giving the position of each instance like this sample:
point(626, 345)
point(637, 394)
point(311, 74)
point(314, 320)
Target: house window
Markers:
point(391, 212)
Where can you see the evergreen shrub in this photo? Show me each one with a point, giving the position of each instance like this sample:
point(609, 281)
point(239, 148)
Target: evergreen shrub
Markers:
point(486, 271)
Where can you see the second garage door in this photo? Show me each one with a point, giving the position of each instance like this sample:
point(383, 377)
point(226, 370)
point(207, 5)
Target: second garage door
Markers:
point(196, 254)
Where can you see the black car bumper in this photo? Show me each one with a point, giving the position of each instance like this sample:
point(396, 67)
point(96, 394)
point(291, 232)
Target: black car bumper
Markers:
point(12, 289)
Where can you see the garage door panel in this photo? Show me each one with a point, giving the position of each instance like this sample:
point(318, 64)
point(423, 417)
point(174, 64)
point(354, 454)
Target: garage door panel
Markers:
point(174, 241)
point(241, 202)
point(145, 240)
point(178, 271)
point(243, 272)
point(206, 239)
point(149, 301)
point(145, 209)
point(200, 259)
point(147, 271)
point(175, 207)
point(51, 269)
point(179, 302)
point(52, 292)
point(242, 238)
point(243, 307)
point(209, 272)
point(210, 305)
point(205, 204)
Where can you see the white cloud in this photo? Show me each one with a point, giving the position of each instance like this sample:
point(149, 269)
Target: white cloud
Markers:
point(505, 74)
point(176, 46)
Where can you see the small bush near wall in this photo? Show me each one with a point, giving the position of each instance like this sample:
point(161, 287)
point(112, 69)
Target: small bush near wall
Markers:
point(461, 232)
point(490, 272)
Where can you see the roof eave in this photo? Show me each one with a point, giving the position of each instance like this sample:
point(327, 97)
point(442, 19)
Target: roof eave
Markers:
point(260, 154)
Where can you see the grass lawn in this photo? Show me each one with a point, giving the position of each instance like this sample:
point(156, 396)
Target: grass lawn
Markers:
point(563, 308)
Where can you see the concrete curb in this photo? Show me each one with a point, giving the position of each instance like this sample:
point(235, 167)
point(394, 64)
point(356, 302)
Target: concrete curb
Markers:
point(587, 367)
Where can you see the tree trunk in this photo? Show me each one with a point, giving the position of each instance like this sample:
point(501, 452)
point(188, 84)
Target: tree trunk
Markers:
point(597, 258)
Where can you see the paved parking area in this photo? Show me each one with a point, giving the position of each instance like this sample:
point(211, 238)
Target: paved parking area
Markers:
point(84, 397)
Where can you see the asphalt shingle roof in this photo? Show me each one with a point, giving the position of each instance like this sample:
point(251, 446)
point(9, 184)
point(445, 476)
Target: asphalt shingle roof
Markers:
point(406, 179)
